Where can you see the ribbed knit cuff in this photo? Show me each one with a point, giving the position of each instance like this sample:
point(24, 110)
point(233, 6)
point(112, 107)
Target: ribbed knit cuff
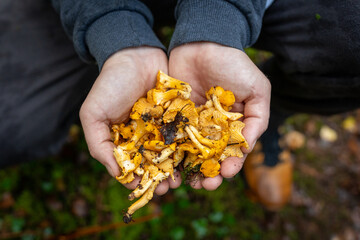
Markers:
point(211, 20)
point(118, 30)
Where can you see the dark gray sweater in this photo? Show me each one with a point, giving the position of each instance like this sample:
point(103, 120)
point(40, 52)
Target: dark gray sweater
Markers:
point(100, 28)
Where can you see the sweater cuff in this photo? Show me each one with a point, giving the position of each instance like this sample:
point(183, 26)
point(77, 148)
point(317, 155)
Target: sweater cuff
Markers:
point(118, 30)
point(213, 21)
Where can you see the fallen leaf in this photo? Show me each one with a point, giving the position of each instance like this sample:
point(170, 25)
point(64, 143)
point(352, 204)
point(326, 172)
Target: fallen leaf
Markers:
point(7, 200)
point(354, 146)
point(328, 134)
point(308, 170)
point(80, 208)
point(294, 140)
point(349, 124)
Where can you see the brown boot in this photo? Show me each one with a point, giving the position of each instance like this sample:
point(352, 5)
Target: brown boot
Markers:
point(270, 186)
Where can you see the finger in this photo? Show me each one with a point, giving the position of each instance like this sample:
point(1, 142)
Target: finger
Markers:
point(97, 135)
point(212, 184)
point(256, 113)
point(254, 127)
point(195, 182)
point(238, 107)
point(132, 185)
point(177, 182)
point(162, 188)
point(231, 166)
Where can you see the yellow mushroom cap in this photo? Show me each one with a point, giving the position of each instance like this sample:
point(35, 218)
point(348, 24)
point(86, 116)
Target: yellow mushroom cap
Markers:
point(190, 159)
point(168, 167)
point(126, 131)
point(160, 97)
point(188, 147)
point(154, 145)
point(166, 82)
point(236, 136)
point(151, 128)
point(126, 179)
point(231, 151)
point(220, 120)
point(226, 98)
point(210, 168)
point(187, 109)
point(145, 110)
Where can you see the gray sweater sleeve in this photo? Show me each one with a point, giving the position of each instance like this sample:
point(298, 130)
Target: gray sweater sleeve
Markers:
point(233, 23)
point(100, 28)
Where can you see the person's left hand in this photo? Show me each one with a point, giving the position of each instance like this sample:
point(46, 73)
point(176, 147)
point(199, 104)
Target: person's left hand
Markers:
point(204, 65)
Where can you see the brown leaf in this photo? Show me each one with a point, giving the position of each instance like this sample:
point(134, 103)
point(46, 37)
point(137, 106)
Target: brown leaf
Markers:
point(54, 204)
point(7, 200)
point(294, 140)
point(308, 170)
point(354, 147)
point(80, 207)
point(310, 127)
point(328, 134)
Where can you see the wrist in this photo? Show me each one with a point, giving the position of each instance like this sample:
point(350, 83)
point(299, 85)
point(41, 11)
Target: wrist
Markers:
point(196, 22)
point(144, 60)
point(119, 30)
point(201, 54)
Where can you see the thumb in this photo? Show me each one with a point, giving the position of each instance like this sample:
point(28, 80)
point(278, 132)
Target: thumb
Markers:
point(98, 138)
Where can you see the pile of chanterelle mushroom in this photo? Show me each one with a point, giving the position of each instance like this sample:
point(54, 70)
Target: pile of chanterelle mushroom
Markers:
point(166, 130)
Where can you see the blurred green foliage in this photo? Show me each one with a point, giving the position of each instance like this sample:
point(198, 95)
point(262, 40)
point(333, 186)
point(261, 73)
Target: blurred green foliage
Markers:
point(63, 194)
point(47, 192)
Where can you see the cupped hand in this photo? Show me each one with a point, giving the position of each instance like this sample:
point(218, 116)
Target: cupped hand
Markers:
point(204, 65)
point(125, 77)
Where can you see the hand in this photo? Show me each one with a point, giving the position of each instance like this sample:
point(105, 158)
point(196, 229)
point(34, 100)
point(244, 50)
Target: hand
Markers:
point(205, 65)
point(125, 77)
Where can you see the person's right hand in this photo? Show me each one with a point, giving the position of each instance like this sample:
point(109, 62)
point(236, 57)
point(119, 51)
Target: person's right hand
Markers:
point(125, 77)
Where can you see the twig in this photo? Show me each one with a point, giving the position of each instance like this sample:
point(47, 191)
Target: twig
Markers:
point(98, 229)
point(12, 235)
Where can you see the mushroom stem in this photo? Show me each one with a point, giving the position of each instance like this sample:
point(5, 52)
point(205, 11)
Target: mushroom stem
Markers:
point(144, 185)
point(178, 156)
point(231, 115)
point(218, 145)
point(164, 155)
point(154, 145)
point(147, 196)
point(150, 128)
point(206, 152)
point(149, 155)
point(205, 141)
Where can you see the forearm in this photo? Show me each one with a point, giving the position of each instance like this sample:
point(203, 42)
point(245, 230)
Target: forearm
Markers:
point(231, 23)
point(101, 28)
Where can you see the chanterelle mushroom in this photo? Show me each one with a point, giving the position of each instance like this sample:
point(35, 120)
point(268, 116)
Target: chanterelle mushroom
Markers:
point(219, 96)
point(145, 110)
point(187, 109)
point(167, 130)
point(226, 98)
